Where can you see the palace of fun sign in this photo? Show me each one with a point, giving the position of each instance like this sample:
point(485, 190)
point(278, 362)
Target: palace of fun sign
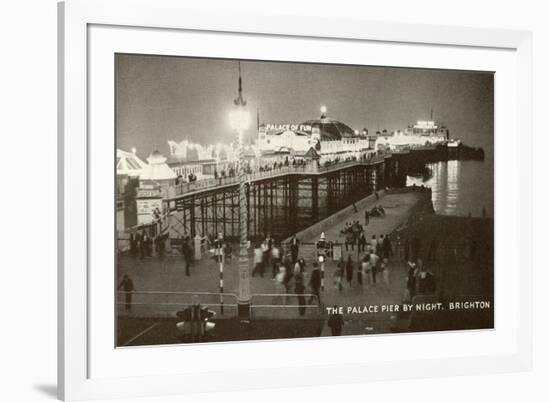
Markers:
point(288, 127)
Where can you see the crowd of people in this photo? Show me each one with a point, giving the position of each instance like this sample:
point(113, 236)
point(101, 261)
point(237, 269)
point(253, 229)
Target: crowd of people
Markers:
point(143, 245)
point(191, 178)
point(365, 262)
point(420, 280)
point(370, 267)
point(282, 264)
point(268, 165)
point(255, 166)
point(337, 160)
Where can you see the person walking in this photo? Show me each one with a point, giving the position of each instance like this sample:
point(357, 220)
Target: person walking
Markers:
point(398, 247)
point(411, 279)
point(366, 270)
point(315, 284)
point(265, 256)
point(258, 260)
point(386, 247)
point(297, 268)
point(162, 244)
point(350, 239)
point(294, 248)
point(302, 264)
point(186, 252)
point(299, 289)
point(349, 270)
point(339, 274)
point(269, 241)
point(336, 323)
point(379, 245)
point(373, 244)
point(288, 276)
point(360, 273)
point(362, 242)
point(374, 259)
point(275, 258)
point(280, 288)
point(367, 217)
point(127, 285)
point(133, 248)
point(145, 241)
point(140, 245)
point(385, 270)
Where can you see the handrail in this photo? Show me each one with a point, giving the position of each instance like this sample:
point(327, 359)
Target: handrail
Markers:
point(283, 295)
point(312, 168)
point(177, 293)
point(179, 304)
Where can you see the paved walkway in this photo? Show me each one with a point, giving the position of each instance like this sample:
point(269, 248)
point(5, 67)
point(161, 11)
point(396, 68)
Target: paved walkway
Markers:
point(398, 209)
point(168, 275)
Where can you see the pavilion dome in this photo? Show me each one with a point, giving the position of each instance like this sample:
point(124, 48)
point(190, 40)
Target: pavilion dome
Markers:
point(330, 129)
point(156, 158)
point(157, 169)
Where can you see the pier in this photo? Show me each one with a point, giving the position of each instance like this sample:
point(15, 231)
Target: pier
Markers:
point(288, 199)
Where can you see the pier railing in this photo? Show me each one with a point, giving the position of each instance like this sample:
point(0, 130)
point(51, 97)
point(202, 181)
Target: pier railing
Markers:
point(310, 168)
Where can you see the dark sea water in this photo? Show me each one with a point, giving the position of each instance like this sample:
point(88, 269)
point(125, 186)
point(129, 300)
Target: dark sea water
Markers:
point(459, 187)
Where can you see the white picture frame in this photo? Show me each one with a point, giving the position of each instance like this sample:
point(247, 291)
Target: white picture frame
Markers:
point(76, 378)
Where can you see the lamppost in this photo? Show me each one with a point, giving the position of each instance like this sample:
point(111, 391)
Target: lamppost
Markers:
point(240, 120)
point(323, 112)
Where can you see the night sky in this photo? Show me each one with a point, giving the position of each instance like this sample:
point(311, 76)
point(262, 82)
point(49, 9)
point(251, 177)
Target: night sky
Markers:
point(175, 98)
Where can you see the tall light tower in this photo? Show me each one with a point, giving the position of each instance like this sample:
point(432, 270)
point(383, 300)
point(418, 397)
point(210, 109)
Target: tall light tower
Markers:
point(240, 120)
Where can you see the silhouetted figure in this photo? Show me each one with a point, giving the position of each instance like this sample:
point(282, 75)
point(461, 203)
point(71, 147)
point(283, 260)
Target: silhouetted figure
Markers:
point(362, 241)
point(127, 285)
point(186, 251)
point(426, 283)
point(360, 273)
point(411, 279)
point(374, 261)
point(294, 249)
point(336, 323)
point(386, 247)
point(349, 270)
point(133, 246)
point(299, 289)
point(315, 283)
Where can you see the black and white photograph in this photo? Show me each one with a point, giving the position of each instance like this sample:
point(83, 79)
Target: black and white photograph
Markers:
point(275, 201)
point(260, 200)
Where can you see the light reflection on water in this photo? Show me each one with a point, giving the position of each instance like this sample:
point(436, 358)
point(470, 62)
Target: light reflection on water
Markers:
point(459, 187)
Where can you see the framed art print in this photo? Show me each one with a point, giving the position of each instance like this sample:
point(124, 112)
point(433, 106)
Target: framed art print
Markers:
point(246, 197)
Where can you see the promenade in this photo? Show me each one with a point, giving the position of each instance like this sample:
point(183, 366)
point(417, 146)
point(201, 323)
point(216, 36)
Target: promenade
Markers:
point(153, 274)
